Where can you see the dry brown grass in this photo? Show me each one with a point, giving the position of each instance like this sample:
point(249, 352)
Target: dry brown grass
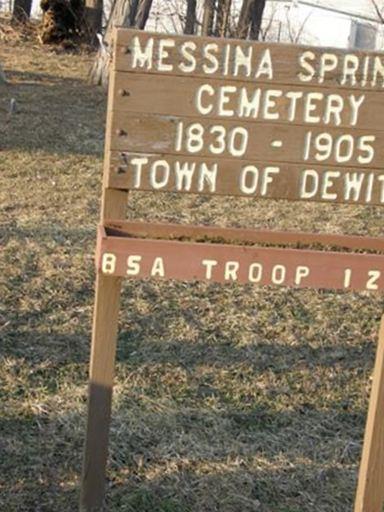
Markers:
point(228, 398)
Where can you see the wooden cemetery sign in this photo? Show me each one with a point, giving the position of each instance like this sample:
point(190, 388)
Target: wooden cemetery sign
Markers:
point(208, 116)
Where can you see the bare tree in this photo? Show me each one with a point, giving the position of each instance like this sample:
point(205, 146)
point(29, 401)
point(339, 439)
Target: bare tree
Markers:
point(257, 11)
point(21, 10)
point(379, 11)
point(190, 20)
point(124, 13)
point(142, 14)
point(250, 19)
point(92, 21)
point(266, 29)
point(295, 31)
point(222, 17)
point(208, 17)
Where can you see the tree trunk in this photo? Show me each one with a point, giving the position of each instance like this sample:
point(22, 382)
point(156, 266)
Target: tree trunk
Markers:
point(133, 12)
point(120, 17)
point(190, 21)
point(257, 12)
point(208, 17)
point(143, 10)
point(21, 10)
point(243, 24)
point(250, 19)
point(125, 13)
point(93, 17)
point(222, 19)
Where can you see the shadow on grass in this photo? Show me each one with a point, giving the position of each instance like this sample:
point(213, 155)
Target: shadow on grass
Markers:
point(52, 114)
point(185, 461)
point(202, 422)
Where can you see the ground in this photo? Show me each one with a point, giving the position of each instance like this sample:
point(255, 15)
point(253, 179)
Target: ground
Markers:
point(227, 398)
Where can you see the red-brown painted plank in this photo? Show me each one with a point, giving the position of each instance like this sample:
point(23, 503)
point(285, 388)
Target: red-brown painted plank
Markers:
point(212, 262)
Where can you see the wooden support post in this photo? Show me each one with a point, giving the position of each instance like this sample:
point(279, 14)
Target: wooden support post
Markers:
point(370, 490)
point(102, 370)
point(100, 391)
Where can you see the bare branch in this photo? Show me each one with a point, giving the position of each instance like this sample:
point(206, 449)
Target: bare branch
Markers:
point(378, 11)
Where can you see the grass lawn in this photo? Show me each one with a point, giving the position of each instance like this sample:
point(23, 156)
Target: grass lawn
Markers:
point(227, 398)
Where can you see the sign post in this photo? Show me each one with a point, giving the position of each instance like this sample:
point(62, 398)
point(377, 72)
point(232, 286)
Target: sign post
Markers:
point(370, 490)
point(225, 117)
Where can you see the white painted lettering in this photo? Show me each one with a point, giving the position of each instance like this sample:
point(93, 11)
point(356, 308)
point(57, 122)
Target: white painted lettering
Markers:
point(230, 270)
point(159, 174)
point(209, 264)
point(184, 174)
point(307, 66)
point(328, 63)
point(138, 163)
point(249, 178)
point(265, 67)
point(133, 265)
point(243, 59)
point(224, 98)
point(212, 64)
point(269, 172)
point(311, 106)
point(301, 273)
point(278, 274)
point(270, 104)
point(164, 54)
point(187, 51)
point(158, 268)
point(208, 90)
point(356, 102)
point(255, 273)
point(309, 184)
point(374, 276)
point(142, 57)
point(333, 108)
point(207, 177)
point(327, 184)
point(351, 66)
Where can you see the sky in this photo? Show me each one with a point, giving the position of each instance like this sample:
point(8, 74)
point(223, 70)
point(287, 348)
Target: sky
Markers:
point(327, 29)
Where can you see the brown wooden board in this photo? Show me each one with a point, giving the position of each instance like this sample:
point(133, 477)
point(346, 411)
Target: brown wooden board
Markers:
point(239, 236)
point(246, 178)
point(275, 121)
point(222, 263)
point(146, 133)
point(170, 51)
point(297, 105)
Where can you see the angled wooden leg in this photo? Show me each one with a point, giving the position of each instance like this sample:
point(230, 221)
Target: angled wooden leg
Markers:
point(370, 490)
point(105, 323)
